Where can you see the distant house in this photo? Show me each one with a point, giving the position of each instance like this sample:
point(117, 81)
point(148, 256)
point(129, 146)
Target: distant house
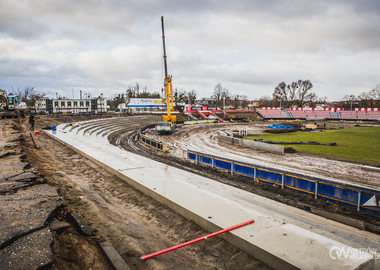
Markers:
point(253, 105)
point(43, 105)
point(75, 106)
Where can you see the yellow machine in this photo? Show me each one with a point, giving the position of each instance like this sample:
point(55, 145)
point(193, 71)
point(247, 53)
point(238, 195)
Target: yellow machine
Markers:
point(168, 84)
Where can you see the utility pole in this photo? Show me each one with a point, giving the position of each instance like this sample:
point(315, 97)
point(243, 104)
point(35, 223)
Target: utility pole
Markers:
point(351, 98)
point(224, 106)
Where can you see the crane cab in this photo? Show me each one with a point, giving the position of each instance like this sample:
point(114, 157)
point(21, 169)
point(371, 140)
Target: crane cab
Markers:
point(165, 127)
point(13, 102)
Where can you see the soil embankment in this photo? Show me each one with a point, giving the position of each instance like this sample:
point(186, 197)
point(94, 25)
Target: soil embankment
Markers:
point(34, 232)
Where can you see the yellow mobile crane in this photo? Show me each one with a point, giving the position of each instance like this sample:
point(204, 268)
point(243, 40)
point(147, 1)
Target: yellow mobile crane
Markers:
point(168, 121)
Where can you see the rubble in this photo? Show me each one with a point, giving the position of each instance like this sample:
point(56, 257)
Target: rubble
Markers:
point(80, 223)
point(27, 211)
point(27, 205)
point(33, 251)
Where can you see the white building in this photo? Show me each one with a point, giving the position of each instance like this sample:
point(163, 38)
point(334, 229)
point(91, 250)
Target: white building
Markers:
point(75, 106)
point(43, 105)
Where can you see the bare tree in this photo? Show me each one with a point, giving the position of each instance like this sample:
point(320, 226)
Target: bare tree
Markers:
point(304, 92)
point(282, 93)
point(179, 96)
point(116, 100)
point(375, 92)
point(297, 93)
point(28, 94)
point(218, 91)
point(368, 99)
point(192, 95)
point(244, 101)
point(264, 101)
point(130, 92)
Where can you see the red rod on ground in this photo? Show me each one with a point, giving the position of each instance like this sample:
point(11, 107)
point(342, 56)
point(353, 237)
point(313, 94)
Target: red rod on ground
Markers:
point(195, 240)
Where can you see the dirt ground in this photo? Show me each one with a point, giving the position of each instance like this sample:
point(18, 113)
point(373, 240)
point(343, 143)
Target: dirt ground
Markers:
point(134, 223)
point(71, 250)
point(205, 139)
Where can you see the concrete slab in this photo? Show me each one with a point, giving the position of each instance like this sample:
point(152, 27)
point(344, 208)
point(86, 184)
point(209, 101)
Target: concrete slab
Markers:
point(282, 236)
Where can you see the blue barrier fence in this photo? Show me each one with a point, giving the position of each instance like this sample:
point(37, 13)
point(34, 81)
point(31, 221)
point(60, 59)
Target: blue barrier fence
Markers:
point(342, 193)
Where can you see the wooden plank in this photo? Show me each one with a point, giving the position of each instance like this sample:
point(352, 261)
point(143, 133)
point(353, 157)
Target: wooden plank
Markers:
point(113, 256)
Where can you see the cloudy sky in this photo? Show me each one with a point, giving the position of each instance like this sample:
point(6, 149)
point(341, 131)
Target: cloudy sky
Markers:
point(103, 46)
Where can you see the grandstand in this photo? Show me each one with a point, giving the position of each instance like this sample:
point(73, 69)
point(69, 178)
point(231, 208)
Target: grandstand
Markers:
point(272, 112)
point(317, 114)
point(373, 115)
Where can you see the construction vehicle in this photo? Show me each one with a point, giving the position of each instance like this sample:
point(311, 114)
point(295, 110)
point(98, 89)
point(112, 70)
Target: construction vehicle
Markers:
point(167, 125)
point(3, 101)
point(11, 106)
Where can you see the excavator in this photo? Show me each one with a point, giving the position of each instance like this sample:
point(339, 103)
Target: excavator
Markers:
point(11, 106)
point(167, 125)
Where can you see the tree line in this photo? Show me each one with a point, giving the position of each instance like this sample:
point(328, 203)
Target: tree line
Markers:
point(295, 94)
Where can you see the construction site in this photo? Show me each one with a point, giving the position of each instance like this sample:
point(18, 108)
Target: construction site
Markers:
point(184, 190)
point(90, 185)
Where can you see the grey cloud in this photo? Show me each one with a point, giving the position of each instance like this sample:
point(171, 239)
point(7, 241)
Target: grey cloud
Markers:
point(20, 22)
point(250, 44)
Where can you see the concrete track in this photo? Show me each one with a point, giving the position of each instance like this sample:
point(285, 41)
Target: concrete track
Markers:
point(282, 236)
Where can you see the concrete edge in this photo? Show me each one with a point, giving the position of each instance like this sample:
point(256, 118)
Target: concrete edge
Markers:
point(257, 252)
point(370, 168)
point(272, 148)
point(358, 224)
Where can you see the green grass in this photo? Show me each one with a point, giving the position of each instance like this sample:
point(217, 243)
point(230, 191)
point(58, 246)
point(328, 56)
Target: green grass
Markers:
point(359, 144)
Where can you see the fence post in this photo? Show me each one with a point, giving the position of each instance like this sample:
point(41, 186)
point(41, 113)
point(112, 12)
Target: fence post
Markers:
point(232, 168)
point(316, 190)
point(282, 181)
point(212, 162)
point(254, 174)
point(359, 197)
point(196, 159)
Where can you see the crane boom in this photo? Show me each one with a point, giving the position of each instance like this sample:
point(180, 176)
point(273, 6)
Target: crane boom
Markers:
point(168, 83)
point(163, 42)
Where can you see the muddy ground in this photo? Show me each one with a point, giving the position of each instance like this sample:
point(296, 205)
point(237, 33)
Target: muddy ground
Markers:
point(134, 223)
point(205, 139)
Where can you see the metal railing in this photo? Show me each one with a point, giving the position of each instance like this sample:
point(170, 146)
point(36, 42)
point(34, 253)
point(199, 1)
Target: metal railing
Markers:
point(152, 143)
point(362, 198)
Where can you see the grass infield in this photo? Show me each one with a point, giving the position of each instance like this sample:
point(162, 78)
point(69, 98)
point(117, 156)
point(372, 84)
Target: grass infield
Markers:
point(358, 144)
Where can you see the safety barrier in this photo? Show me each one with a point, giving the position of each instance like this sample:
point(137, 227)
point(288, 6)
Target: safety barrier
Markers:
point(205, 121)
point(361, 198)
point(152, 143)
